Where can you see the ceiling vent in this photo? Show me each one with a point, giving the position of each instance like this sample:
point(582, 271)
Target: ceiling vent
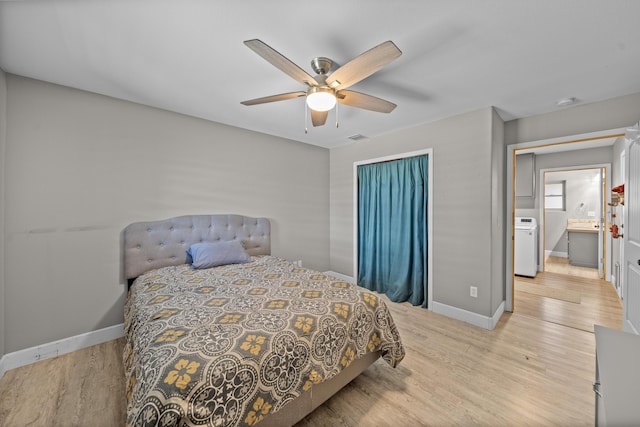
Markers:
point(565, 102)
point(357, 137)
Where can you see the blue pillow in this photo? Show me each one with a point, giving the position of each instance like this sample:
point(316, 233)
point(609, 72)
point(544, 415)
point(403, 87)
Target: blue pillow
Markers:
point(207, 255)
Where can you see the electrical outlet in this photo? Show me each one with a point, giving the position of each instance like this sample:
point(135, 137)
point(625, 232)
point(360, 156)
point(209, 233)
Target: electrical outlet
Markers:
point(473, 291)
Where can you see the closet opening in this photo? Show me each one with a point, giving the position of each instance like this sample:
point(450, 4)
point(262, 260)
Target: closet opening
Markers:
point(393, 226)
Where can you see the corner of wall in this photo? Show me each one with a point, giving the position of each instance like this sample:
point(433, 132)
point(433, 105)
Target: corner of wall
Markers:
point(3, 145)
point(498, 210)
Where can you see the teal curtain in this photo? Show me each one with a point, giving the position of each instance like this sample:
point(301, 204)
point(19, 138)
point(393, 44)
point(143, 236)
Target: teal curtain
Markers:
point(392, 228)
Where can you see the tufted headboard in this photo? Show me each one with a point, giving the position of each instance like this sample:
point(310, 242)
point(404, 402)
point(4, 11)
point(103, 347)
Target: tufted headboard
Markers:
point(155, 244)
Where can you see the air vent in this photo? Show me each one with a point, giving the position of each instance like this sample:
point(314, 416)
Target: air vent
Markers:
point(358, 137)
point(565, 102)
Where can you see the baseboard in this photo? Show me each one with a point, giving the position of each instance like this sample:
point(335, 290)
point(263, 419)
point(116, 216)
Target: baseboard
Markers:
point(496, 316)
point(449, 311)
point(57, 348)
point(476, 319)
point(340, 276)
point(627, 326)
point(559, 254)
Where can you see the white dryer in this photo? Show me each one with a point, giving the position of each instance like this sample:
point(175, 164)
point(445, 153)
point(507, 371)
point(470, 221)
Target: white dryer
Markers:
point(525, 247)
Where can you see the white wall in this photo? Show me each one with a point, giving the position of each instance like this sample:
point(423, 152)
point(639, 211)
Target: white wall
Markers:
point(463, 205)
point(80, 167)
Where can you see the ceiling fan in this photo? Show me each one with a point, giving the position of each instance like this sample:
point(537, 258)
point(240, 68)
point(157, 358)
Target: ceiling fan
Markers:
point(324, 90)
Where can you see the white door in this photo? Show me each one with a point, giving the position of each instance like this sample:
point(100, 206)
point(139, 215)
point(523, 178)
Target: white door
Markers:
point(601, 230)
point(620, 280)
point(631, 260)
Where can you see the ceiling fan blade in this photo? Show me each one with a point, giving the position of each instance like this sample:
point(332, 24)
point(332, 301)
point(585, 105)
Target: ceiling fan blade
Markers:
point(274, 98)
point(363, 66)
point(280, 62)
point(318, 118)
point(367, 102)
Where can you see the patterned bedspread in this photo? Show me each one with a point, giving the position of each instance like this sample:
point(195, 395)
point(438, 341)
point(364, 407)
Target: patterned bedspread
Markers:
point(227, 346)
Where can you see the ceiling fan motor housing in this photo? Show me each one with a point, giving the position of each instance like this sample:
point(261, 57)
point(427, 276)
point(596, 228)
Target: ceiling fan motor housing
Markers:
point(321, 65)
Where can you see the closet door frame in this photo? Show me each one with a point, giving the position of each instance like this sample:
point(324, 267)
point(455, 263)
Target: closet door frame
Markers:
point(425, 152)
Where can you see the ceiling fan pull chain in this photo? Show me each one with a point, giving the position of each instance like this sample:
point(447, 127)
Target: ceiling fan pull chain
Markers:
point(306, 113)
point(337, 125)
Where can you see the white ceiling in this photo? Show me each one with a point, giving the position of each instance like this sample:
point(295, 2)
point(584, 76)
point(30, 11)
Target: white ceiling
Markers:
point(187, 56)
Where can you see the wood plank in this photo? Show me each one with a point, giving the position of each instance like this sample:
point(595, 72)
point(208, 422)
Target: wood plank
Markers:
point(547, 291)
point(599, 303)
point(82, 388)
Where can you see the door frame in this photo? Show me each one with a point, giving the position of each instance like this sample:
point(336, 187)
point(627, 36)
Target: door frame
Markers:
point(620, 279)
point(575, 140)
point(630, 238)
point(604, 240)
point(429, 153)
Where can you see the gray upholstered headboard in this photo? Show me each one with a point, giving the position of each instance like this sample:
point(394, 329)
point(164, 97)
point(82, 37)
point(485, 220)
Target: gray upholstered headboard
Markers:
point(155, 244)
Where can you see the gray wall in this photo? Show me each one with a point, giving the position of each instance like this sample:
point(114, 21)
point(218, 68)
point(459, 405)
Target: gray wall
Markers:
point(498, 206)
point(468, 178)
point(3, 144)
point(613, 113)
point(556, 238)
point(80, 167)
point(587, 156)
point(616, 167)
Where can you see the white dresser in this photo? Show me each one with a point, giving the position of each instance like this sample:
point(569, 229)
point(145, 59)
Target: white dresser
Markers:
point(617, 385)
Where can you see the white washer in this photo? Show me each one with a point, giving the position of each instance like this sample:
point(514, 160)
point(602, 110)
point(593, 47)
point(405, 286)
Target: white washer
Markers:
point(526, 247)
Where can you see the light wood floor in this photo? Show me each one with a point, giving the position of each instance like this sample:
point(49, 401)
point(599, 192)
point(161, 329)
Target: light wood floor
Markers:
point(554, 264)
point(525, 372)
point(599, 303)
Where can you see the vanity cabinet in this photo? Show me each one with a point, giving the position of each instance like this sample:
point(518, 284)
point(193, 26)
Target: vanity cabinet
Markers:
point(583, 248)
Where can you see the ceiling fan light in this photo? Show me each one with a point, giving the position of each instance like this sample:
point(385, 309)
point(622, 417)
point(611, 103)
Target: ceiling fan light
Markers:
point(321, 98)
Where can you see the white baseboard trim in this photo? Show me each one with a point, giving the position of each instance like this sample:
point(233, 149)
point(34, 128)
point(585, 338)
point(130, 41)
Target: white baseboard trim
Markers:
point(559, 254)
point(57, 348)
point(450, 311)
point(340, 276)
point(497, 315)
point(476, 319)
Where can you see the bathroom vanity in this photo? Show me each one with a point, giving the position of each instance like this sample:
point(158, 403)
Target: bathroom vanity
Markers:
point(583, 243)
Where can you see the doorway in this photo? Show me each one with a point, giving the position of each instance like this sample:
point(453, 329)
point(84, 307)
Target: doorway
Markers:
point(573, 227)
point(569, 288)
point(579, 142)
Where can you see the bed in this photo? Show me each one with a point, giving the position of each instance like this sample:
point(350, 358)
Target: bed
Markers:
point(254, 339)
